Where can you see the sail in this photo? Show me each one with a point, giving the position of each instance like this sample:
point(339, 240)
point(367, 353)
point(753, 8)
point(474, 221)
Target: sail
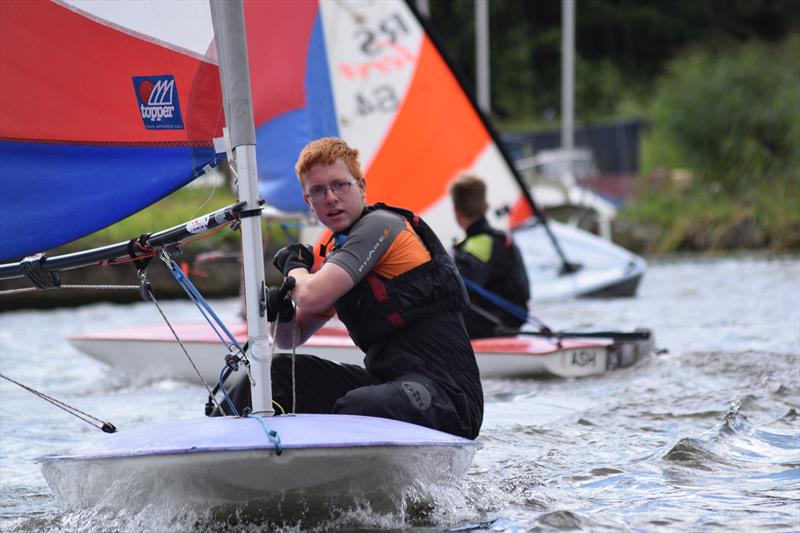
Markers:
point(292, 95)
point(105, 107)
point(85, 139)
point(369, 73)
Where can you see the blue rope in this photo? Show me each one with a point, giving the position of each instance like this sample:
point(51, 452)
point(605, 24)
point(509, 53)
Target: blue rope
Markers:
point(205, 309)
point(271, 433)
point(498, 300)
point(225, 392)
point(216, 324)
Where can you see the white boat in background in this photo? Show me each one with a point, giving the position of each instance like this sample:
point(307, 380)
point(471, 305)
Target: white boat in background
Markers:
point(601, 268)
point(134, 94)
point(151, 352)
point(564, 183)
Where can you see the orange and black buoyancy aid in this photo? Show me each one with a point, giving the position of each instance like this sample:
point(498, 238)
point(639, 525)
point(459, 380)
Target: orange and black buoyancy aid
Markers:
point(376, 307)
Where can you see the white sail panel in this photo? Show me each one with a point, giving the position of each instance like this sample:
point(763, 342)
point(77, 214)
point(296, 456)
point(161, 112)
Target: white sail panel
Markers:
point(372, 49)
point(178, 24)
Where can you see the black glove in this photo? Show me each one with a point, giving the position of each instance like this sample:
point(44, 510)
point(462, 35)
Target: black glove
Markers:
point(294, 256)
point(279, 303)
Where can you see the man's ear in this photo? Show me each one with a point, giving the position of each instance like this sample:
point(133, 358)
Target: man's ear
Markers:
point(305, 197)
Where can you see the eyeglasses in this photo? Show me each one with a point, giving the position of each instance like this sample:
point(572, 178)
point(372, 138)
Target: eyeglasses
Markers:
point(339, 188)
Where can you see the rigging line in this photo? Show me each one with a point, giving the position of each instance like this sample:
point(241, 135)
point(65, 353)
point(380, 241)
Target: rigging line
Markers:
point(211, 194)
point(505, 305)
point(295, 331)
point(97, 287)
point(152, 252)
point(295, 328)
point(271, 433)
point(89, 419)
point(115, 262)
point(200, 302)
point(204, 313)
point(279, 406)
point(207, 234)
point(232, 407)
point(180, 342)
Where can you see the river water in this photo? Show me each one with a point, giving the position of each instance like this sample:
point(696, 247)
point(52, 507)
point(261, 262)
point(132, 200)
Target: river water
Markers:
point(704, 437)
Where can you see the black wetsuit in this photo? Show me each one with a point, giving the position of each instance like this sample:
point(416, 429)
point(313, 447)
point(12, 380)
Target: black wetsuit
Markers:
point(419, 363)
point(489, 258)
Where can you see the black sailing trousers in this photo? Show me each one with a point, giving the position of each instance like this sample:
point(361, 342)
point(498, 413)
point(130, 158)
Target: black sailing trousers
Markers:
point(323, 386)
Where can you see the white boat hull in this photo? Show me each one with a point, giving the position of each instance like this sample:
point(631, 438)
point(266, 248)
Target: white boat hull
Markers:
point(151, 352)
point(325, 460)
point(604, 269)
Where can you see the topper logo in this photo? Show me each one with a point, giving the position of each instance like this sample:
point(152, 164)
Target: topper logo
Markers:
point(161, 93)
point(157, 97)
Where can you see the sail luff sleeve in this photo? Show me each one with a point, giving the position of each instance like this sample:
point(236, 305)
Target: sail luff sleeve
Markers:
point(235, 80)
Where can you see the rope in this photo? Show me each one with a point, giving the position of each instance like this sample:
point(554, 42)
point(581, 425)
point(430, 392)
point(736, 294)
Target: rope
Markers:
point(295, 331)
point(271, 433)
point(505, 305)
point(202, 305)
point(234, 412)
point(279, 406)
point(496, 299)
point(180, 342)
point(103, 287)
point(89, 419)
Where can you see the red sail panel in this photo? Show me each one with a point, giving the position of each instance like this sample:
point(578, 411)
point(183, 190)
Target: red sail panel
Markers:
point(71, 79)
point(419, 148)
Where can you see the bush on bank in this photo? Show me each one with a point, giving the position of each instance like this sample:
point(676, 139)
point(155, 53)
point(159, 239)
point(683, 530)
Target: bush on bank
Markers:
point(696, 217)
point(730, 118)
point(731, 114)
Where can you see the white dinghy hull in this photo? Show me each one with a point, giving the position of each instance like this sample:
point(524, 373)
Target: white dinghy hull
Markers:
point(151, 352)
point(325, 460)
point(604, 269)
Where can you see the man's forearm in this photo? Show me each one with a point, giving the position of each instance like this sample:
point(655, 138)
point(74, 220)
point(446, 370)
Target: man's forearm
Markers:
point(289, 335)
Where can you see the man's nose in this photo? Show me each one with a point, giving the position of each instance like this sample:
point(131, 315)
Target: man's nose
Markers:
point(329, 193)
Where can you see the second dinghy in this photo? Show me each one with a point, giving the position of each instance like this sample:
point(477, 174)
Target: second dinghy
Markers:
point(151, 352)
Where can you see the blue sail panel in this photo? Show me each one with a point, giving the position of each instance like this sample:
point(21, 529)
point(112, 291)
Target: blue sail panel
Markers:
point(280, 139)
point(54, 193)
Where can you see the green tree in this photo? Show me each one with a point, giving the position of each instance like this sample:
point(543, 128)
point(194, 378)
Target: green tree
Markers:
point(733, 113)
point(621, 46)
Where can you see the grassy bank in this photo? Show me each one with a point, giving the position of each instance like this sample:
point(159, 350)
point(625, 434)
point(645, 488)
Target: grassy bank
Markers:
point(679, 217)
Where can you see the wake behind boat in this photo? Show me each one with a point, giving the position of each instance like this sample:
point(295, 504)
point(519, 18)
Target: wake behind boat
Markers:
point(151, 352)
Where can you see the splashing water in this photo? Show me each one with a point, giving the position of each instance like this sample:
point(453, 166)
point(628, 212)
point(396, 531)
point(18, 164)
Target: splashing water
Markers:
point(704, 438)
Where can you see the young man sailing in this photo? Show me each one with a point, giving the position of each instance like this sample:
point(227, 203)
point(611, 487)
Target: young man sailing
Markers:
point(393, 285)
